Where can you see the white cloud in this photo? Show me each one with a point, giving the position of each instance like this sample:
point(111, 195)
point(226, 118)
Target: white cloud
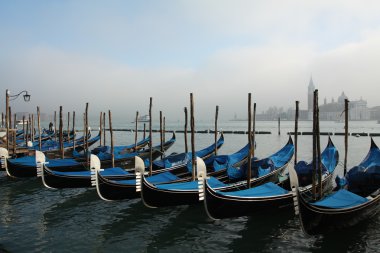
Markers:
point(269, 48)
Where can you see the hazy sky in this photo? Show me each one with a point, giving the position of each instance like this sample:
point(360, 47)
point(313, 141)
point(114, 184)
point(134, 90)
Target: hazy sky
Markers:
point(117, 54)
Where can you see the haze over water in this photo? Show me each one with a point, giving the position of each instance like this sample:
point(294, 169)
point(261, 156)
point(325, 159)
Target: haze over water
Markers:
point(37, 219)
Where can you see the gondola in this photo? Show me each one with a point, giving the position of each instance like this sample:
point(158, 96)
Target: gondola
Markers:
point(126, 160)
point(122, 149)
point(68, 146)
point(271, 196)
point(26, 166)
point(349, 205)
point(180, 193)
point(130, 188)
point(77, 179)
point(44, 137)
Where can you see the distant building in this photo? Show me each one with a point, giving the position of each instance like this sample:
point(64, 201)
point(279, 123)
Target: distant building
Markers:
point(333, 111)
point(359, 110)
point(310, 95)
point(375, 113)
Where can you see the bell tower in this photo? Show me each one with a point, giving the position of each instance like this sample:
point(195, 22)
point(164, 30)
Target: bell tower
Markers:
point(310, 95)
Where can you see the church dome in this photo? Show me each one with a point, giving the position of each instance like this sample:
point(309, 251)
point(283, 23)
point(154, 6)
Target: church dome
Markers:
point(341, 98)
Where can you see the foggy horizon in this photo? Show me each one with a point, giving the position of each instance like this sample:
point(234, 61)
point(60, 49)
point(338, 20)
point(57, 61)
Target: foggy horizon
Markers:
point(115, 55)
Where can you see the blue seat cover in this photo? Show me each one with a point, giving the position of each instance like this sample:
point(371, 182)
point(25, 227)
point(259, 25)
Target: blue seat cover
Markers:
point(117, 171)
point(215, 183)
point(162, 178)
point(125, 182)
point(265, 190)
point(31, 161)
point(192, 185)
point(85, 173)
point(341, 199)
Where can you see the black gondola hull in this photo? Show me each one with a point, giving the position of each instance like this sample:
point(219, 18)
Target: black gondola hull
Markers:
point(110, 190)
point(154, 197)
point(19, 171)
point(315, 220)
point(52, 180)
point(220, 206)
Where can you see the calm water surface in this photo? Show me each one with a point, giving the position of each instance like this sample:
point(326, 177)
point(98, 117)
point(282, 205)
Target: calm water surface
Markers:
point(37, 219)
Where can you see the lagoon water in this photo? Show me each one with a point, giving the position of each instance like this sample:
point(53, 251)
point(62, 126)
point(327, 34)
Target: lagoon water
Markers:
point(36, 219)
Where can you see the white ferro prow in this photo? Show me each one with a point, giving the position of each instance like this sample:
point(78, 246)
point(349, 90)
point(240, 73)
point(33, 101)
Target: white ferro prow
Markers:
point(202, 176)
point(4, 156)
point(294, 186)
point(139, 171)
point(40, 161)
point(94, 168)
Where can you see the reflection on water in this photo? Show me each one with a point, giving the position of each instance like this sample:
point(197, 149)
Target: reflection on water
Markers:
point(37, 219)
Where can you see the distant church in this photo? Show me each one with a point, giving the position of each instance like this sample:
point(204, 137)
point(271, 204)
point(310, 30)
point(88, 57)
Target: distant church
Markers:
point(333, 111)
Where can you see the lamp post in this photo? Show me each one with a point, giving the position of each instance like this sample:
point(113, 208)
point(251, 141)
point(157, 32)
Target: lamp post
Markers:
point(9, 97)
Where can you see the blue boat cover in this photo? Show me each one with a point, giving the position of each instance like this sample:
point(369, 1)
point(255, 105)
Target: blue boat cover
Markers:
point(365, 178)
point(118, 149)
point(341, 199)
point(161, 178)
point(190, 186)
point(24, 161)
point(263, 166)
point(215, 183)
point(54, 145)
point(264, 190)
point(117, 171)
point(183, 158)
point(86, 173)
point(53, 163)
point(30, 161)
point(125, 182)
point(230, 160)
point(329, 159)
point(172, 160)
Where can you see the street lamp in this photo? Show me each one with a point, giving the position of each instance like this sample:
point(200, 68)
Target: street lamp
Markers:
point(13, 97)
point(8, 98)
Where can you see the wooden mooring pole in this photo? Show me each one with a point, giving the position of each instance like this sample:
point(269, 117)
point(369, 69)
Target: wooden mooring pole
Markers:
point(192, 125)
point(296, 133)
point(249, 172)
